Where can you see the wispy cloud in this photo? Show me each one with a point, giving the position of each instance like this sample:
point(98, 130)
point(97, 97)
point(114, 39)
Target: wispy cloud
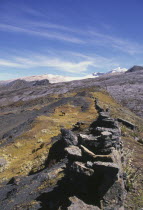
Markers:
point(9, 63)
point(76, 36)
point(82, 35)
point(43, 61)
point(116, 42)
point(97, 60)
point(43, 33)
point(73, 62)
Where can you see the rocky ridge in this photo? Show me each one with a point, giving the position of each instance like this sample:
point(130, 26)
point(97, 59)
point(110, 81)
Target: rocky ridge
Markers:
point(126, 88)
point(82, 171)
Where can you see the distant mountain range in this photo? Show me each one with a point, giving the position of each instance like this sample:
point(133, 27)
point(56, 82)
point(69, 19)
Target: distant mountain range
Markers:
point(59, 78)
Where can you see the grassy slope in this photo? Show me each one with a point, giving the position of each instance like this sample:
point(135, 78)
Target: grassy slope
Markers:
point(29, 151)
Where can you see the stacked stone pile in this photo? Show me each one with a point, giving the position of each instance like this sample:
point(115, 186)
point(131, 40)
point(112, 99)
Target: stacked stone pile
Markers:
point(94, 167)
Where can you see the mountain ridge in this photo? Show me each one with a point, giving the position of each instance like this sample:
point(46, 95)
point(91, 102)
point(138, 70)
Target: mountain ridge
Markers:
point(59, 78)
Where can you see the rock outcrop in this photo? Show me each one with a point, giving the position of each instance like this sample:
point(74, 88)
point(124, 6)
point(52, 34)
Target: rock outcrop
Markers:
point(127, 123)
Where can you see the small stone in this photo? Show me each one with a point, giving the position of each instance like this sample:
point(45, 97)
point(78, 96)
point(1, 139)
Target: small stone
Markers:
point(106, 134)
point(18, 144)
point(3, 162)
point(73, 151)
point(40, 140)
point(89, 164)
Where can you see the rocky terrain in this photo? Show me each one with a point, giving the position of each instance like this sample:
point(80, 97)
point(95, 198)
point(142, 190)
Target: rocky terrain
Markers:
point(70, 145)
point(125, 87)
point(87, 167)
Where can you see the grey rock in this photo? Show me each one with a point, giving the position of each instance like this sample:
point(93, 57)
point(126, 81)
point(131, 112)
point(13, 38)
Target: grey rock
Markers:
point(106, 167)
point(104, 115)
point(80, 168)
point(127, 123)
point(106, 134)
point(114, 197)
point(99, 130)
point(69, 137)
point(89, 141)
point(89, 164)
point(73, 152)
point(3, 163)
point(77, 204)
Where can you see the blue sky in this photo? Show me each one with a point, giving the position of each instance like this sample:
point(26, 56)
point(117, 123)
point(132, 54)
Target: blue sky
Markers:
point(69, 37)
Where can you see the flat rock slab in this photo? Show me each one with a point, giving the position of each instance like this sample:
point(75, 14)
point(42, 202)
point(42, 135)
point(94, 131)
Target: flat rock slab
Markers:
point(106, 167)
point(127, 123)
point(73, 151)
point(77, 204)
point(106, 134)
point(87, 137)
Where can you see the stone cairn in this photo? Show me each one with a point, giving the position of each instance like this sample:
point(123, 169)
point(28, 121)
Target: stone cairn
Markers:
point(94, 166)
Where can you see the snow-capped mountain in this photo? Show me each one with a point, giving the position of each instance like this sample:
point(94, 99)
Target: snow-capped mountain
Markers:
point(116, 70)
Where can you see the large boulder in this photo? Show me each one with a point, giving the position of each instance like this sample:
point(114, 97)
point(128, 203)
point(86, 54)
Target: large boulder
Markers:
point(106, 167)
